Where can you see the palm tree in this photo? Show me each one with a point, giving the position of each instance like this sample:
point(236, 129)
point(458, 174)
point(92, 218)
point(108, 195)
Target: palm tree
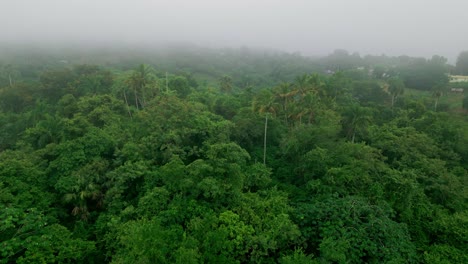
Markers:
point(302, 83)
point(9, 72)
point(265, 103)
point(437, 92)
point(311, 102)
point(356, 119)
point(284, 92)
point(80, 195)
point(121, 85)
point(138, 81)
point(126, 103)
point(317, 85)
point(396, 87)
point(86, 193)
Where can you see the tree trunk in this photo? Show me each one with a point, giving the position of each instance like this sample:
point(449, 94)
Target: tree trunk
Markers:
point(143, 100)
point(167, 87)
point(264, 140)
point(136, 99)
point(126, 102)
point(435, 105)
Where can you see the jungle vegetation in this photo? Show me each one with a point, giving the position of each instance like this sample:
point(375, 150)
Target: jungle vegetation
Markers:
point(193, 155)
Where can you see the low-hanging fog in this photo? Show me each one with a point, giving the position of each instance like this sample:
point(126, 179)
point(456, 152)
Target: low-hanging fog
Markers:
point(311, 27)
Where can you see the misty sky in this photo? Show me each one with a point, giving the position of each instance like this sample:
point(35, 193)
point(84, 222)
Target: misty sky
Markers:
point(312, 27)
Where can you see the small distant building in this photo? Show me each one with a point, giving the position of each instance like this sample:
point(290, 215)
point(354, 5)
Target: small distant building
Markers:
point(457, 90)
point(458, 78)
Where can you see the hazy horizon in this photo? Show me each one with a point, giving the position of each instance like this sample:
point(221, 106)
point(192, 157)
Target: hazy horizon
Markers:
point(312, 28)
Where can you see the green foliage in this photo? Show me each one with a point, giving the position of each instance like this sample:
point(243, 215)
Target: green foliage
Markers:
point(223, 239)
point(444, 254)
point(146, 241)
point(298, 258)
point(23, 182)
point(180, 85)
point(462, 63)
point(30, 237)
point(225, 84)
point(104, 164)
point(355, 121)
point(91, 79)
point(396, 87)
point(368, 91)
point(351, 230)
point(16, 98)
point(424, 74)
point(465, 102)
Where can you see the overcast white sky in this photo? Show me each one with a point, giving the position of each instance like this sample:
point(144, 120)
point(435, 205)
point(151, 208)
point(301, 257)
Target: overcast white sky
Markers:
point(312, 27)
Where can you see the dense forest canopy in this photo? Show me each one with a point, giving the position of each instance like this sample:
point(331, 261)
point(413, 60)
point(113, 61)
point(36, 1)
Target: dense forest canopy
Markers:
point(197, 155)
point(247, 66)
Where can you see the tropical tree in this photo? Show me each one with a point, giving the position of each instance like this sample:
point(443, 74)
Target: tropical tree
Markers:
point(265, 103)
point(301, 83)
point(9, 74)
point(356, 119)
point(17, 97)
point(317, 85)
point(137, 81)
point(396, 87)
point(180, 85)
point(284, 93)
point(353, 230)
point(32, 237)
point(336, 86)
point(465, 102)
point(225, 83)
point(57, 83)
point(423, 74)
point(437, 91)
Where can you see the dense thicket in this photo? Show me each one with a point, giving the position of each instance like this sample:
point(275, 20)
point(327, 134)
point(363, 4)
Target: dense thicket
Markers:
point(234, 157)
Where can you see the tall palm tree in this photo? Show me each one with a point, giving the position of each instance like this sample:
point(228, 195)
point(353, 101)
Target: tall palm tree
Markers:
point(138, 80)
point(396, 87)
point(284, 93)
point(317, 85)
point(302, 83)
point(265, 103)
point(121, 85)
point(311, 102)
point(10, 73)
